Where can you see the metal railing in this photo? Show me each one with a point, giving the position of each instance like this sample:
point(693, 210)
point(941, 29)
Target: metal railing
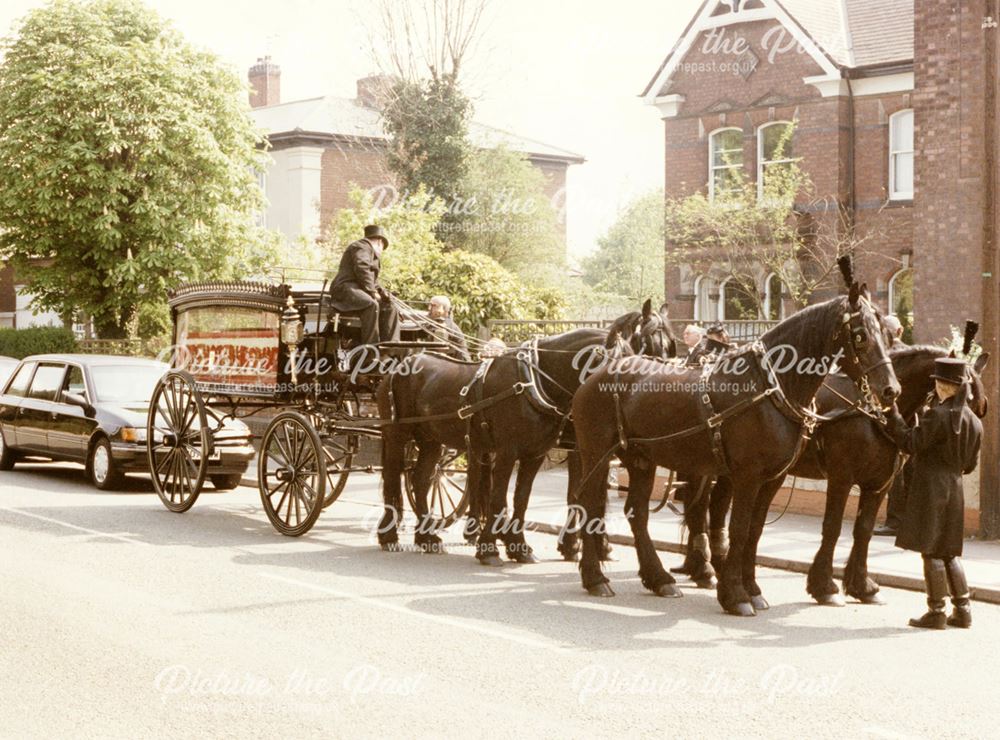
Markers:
point(740, 331)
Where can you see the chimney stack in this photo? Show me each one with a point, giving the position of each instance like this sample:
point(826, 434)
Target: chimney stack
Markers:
point(374, 91)
point(265, 83)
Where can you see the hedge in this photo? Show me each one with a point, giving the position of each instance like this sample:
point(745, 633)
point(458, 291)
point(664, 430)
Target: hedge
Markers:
point(36, 340)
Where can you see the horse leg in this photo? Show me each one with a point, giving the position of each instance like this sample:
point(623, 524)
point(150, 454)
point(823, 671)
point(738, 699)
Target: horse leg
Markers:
point(393, 461)
point(730, 592)
point(820, 583)
point(654, 577)
point(518, 549)
point(856, 580)
point(761, 506)
point(569, 540)
point(718, 509)
point(426, 537)
point(697, 561)
point(494, 488)
point(593, 500)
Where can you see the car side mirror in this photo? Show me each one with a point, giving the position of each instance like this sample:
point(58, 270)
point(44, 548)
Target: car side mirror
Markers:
point(75, 399)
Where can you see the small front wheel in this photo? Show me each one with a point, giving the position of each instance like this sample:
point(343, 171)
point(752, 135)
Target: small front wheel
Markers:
point(291, 473)
point(225, 481)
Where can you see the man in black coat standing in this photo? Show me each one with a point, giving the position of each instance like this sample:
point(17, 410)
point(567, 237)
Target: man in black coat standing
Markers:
point(356, 289)
point(944, 444)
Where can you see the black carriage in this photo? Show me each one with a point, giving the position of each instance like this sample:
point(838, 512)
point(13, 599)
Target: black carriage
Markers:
point(242, 349)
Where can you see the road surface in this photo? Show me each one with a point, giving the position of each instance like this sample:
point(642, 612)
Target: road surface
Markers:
point(121, 619)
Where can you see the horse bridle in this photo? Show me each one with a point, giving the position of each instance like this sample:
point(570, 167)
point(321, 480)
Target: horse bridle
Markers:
point(858, 337)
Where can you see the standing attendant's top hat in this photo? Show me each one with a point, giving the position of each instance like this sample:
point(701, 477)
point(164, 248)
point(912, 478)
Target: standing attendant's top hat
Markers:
point(372, 230)
point(949, 370)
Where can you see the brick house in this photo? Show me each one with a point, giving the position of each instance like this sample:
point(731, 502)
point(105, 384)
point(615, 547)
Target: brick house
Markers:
point(895, 111)
point(322, 146)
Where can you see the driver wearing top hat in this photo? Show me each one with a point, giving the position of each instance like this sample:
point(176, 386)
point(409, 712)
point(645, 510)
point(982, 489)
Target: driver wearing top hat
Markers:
point(356, 289)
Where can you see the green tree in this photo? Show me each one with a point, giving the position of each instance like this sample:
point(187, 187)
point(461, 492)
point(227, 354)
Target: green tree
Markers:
point(629, 257)
point(416, 266)
point(427, 122)
point(127, 162)
point(504, 213)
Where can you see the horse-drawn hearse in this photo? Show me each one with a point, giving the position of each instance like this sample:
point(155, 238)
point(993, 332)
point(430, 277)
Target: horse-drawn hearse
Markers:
point(242, 349)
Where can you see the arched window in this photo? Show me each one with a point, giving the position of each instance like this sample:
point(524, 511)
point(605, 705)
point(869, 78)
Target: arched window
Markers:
point(705, 307)
point(901, 155)
point(736, 301)
point(774, 308)
point(901, 300)
point(725, 162)
point(774, 151)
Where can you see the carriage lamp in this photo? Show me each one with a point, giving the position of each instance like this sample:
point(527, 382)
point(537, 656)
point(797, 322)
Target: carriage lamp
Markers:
point(291, 324)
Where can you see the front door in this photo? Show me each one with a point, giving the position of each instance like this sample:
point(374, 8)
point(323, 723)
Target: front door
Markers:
point(71, 428)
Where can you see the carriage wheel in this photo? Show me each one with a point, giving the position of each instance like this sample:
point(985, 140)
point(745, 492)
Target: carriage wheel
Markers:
point(179, 440)
point(447, 497)
point(340, 451)
point(291, 473)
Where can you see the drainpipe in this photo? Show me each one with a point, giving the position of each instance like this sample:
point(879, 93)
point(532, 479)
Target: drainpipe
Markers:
point(989, 475)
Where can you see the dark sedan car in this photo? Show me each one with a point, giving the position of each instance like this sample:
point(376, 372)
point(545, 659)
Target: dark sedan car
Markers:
point(92, 409)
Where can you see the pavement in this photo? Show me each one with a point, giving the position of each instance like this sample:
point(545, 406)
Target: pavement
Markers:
point(789, 542)
point(121, 619)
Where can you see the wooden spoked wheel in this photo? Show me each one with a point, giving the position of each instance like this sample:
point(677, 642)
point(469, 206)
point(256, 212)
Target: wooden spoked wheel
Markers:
point(179, 442)
point(291, 473)
point(447, 496)
point(340, 448)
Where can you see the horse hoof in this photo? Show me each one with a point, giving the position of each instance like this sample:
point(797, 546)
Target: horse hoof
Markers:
point(875, 599)
point(491, 561)
point(526, 558)
point(571, 557)
point(831, 600)
point(709, 582)
point(759, 603)
point(741, 609)
point(682, 569)
point(602, 590)
point(669, 591)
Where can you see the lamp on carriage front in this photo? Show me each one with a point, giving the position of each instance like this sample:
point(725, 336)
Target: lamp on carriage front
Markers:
point(291, 334)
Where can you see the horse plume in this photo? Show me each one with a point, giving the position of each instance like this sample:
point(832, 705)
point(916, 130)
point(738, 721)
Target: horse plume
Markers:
point(846, 265)
point(971, 327)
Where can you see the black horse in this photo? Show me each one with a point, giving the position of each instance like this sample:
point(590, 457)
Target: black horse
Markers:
point(523, 399)
point(747, 418)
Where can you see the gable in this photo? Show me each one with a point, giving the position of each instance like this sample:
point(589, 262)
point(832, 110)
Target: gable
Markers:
point(717, 19)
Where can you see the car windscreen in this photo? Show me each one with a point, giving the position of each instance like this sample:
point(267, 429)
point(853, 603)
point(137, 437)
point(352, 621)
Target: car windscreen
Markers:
point(125, 383)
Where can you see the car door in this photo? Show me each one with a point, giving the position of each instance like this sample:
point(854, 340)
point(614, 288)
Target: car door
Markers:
point(35, 416)
point(70, 427)
point(10, 402)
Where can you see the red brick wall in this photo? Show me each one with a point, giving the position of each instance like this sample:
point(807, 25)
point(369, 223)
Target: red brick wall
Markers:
point(344, 166)
point(949, 173)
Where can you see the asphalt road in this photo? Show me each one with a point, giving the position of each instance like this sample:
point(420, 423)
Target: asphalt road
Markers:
point(121, 619)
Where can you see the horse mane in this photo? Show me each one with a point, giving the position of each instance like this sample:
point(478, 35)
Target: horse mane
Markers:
point(804, 324)
point(624, 326)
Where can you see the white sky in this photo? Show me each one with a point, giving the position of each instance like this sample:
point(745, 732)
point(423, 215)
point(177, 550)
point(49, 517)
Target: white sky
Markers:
point(567, 73)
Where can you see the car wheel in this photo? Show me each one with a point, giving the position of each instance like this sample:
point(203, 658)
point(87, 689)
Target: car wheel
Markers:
point(225, 481)
point(7, 456)
point(104, 474)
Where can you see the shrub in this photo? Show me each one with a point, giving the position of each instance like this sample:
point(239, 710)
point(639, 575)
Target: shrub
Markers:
point(36, 340)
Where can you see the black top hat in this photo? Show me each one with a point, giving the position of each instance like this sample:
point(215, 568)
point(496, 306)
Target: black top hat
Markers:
point(372, 230)
point(950, 370)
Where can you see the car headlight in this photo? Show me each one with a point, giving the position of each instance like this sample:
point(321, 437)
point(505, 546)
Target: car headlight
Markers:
point(131, 434)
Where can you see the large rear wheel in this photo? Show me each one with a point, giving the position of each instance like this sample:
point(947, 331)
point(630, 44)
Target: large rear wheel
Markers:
point(178, 440)
point(447, 497)
point(291, 473)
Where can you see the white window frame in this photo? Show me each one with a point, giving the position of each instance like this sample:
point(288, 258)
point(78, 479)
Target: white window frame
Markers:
point(712, 167)
point(895, 194)
point(892, 288)
point(769, 297)
point(760, 154)
point(710, 283)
